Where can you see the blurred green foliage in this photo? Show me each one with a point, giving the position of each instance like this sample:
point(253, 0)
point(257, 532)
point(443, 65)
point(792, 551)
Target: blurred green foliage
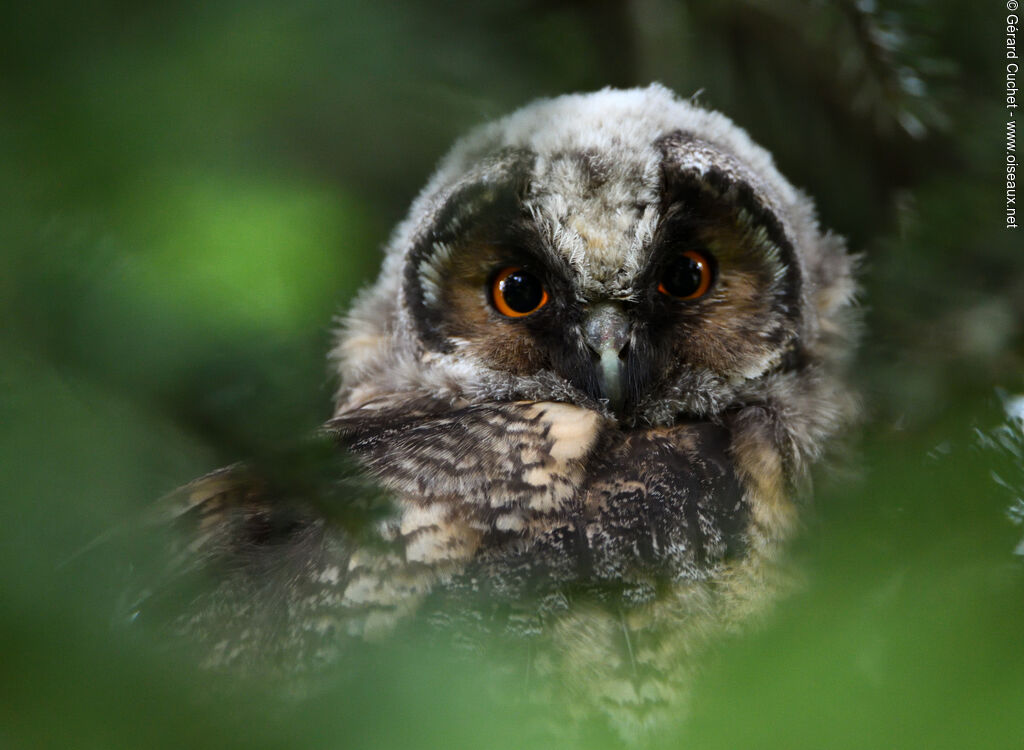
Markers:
point(189, 193)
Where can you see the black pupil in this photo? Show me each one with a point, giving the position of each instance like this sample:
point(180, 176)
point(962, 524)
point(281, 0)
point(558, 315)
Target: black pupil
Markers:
point(522, 291)
point(683, 277)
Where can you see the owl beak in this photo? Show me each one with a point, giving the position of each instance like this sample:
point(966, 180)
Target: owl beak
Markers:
point(606, 331)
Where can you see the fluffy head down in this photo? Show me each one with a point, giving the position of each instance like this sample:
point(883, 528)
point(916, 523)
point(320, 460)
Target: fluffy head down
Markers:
point(595, 193)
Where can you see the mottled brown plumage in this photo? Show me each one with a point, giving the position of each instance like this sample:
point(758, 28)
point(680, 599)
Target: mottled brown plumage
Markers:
point(609, 475)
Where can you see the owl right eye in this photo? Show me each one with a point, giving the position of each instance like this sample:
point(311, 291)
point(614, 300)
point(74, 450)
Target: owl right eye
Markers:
point(516, 293)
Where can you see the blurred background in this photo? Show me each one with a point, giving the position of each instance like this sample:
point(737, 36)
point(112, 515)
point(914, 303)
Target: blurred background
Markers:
point(189, 193)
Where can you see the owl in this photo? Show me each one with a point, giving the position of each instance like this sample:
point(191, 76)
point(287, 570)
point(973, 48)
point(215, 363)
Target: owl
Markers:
point(578, 406)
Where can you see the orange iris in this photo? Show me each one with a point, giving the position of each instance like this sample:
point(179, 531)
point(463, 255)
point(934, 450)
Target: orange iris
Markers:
point(688, 277)
point(517, 293)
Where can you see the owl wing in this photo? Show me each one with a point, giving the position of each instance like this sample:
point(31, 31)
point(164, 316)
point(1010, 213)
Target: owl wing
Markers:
point(257, 557)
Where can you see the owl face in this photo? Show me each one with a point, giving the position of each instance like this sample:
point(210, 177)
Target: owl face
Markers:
point(623, 251)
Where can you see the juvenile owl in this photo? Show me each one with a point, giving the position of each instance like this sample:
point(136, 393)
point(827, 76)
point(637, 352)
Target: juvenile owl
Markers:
point(604, 349)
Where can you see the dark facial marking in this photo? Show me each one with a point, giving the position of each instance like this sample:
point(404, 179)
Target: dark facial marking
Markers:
point(482, 230)
point(470, 204)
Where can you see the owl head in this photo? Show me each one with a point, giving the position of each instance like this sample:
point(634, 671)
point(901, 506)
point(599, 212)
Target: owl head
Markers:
point(624, 251)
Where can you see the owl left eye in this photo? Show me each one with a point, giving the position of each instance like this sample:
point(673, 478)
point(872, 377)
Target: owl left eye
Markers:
point(688, 276)
point(517, 293)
